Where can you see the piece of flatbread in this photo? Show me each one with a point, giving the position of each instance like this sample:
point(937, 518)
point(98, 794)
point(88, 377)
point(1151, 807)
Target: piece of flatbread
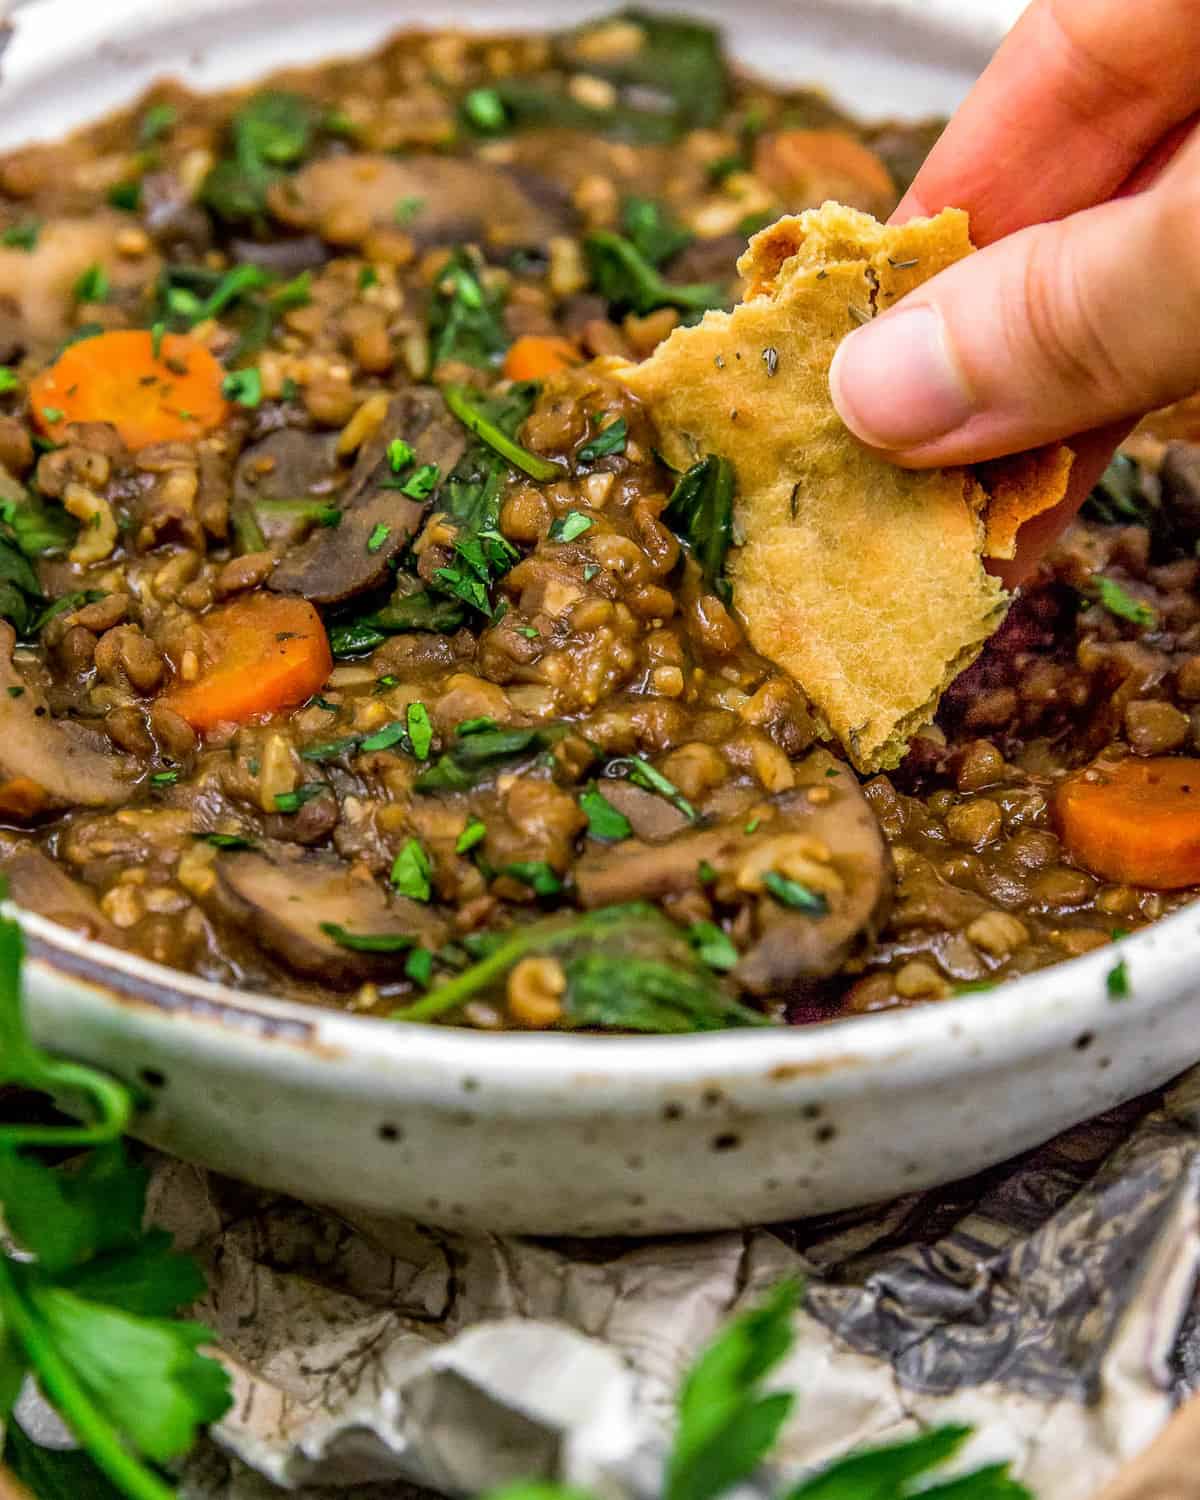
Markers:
point(862, 580)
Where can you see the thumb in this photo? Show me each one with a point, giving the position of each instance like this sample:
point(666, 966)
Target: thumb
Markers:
point(1053, 331)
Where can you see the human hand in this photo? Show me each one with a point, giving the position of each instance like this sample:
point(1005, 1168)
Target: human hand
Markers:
point(1077, 155)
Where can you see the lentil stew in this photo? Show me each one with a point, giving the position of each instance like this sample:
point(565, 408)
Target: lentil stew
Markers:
point(357, 644)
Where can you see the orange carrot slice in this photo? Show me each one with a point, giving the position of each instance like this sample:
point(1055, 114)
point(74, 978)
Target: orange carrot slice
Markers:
point(116, 377)
point(1137, 822)
point(534, 356)
point(264, 653)
point(22, 799)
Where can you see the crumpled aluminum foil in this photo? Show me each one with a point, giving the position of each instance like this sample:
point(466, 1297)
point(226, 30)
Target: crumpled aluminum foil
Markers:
point(1047, 1302)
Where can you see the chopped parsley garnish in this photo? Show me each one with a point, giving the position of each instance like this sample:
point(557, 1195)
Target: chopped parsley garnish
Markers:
point(466, 315)
point(537, 875)
point(158, 120)
point(243, 386)
point(605, 821)
point(485, 110)
point(23, 235)
point(589, 571)
point(1118, 602)
point(52, 413)
point(474, 833)
point(530, 632)
point(643, 774)
point(290, 802)
point(367, 942)
point(126, 196)
point(612, 439)
point(165, 778)
point(792, 893)
point(418, 967)
point(700, 513)
point(408, 209)
point(420, 730)
point(379, 535)
point(93, 285)
point(367, 276)
point(399, 455)
point(422, 482)
point(226, 840)
point(9, 380)
point(712, 946)
point(383, 739)
point(411, 871)
point(1117, 981)
point(567, 528)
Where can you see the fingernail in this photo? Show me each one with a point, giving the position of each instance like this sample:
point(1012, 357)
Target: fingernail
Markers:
point(896, 384)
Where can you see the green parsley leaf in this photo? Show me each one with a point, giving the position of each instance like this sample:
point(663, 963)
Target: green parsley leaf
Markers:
point(643, 774)
point(418, 967)
point(1118, 602)
point(466, 315)
point(1117, 981)
point(9, 380)
point(23, 235)
point(52, 414)
point(399, 455)
point(792, 893)
point(604, 820)
point(422, 482)
point(536, 874)
point(474, 756)
point(726, 1424)
point(408, 209)
point(700, 513)
point(126, 196)
point(612, 439)
point(165, 778)
point(243, 386)
point(411, 871)
point(367, 276)
point(383, 739)
point(290, 802)
point(567, 528)
point(712, 946)
point(420, 730)
point(93, 285)
point(158, 120)
point(226, 840)
point(485, 110)
point(474, 833)
point(367, 942)
point(318, 511)
point(379, 535)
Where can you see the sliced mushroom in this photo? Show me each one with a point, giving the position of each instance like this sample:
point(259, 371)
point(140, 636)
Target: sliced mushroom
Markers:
point(335, 563)
point(449, 198)
point(283, 897)
point(36, 882)
point(71, 765)
point(288, 464)
point(827, 808)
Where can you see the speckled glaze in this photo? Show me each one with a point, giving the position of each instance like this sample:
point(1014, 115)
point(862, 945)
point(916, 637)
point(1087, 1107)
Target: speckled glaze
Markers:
point(561, 1134)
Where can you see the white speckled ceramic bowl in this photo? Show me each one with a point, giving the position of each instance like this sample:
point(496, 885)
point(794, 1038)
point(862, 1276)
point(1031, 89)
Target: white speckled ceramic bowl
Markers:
point(562, 1134)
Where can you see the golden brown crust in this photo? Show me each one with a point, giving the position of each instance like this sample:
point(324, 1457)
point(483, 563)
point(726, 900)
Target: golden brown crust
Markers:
point(863, 580)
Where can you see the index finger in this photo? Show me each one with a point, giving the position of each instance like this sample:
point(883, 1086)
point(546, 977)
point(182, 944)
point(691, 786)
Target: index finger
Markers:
point(1077, 95)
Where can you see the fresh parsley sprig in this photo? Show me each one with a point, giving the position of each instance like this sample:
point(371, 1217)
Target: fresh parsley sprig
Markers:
point(88, 1309)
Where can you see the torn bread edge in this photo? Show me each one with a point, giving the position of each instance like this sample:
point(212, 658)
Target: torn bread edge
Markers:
point(865, 582)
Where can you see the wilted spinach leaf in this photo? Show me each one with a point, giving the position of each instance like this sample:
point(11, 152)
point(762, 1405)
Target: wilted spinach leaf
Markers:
point(700, 513)
point(630, 283)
